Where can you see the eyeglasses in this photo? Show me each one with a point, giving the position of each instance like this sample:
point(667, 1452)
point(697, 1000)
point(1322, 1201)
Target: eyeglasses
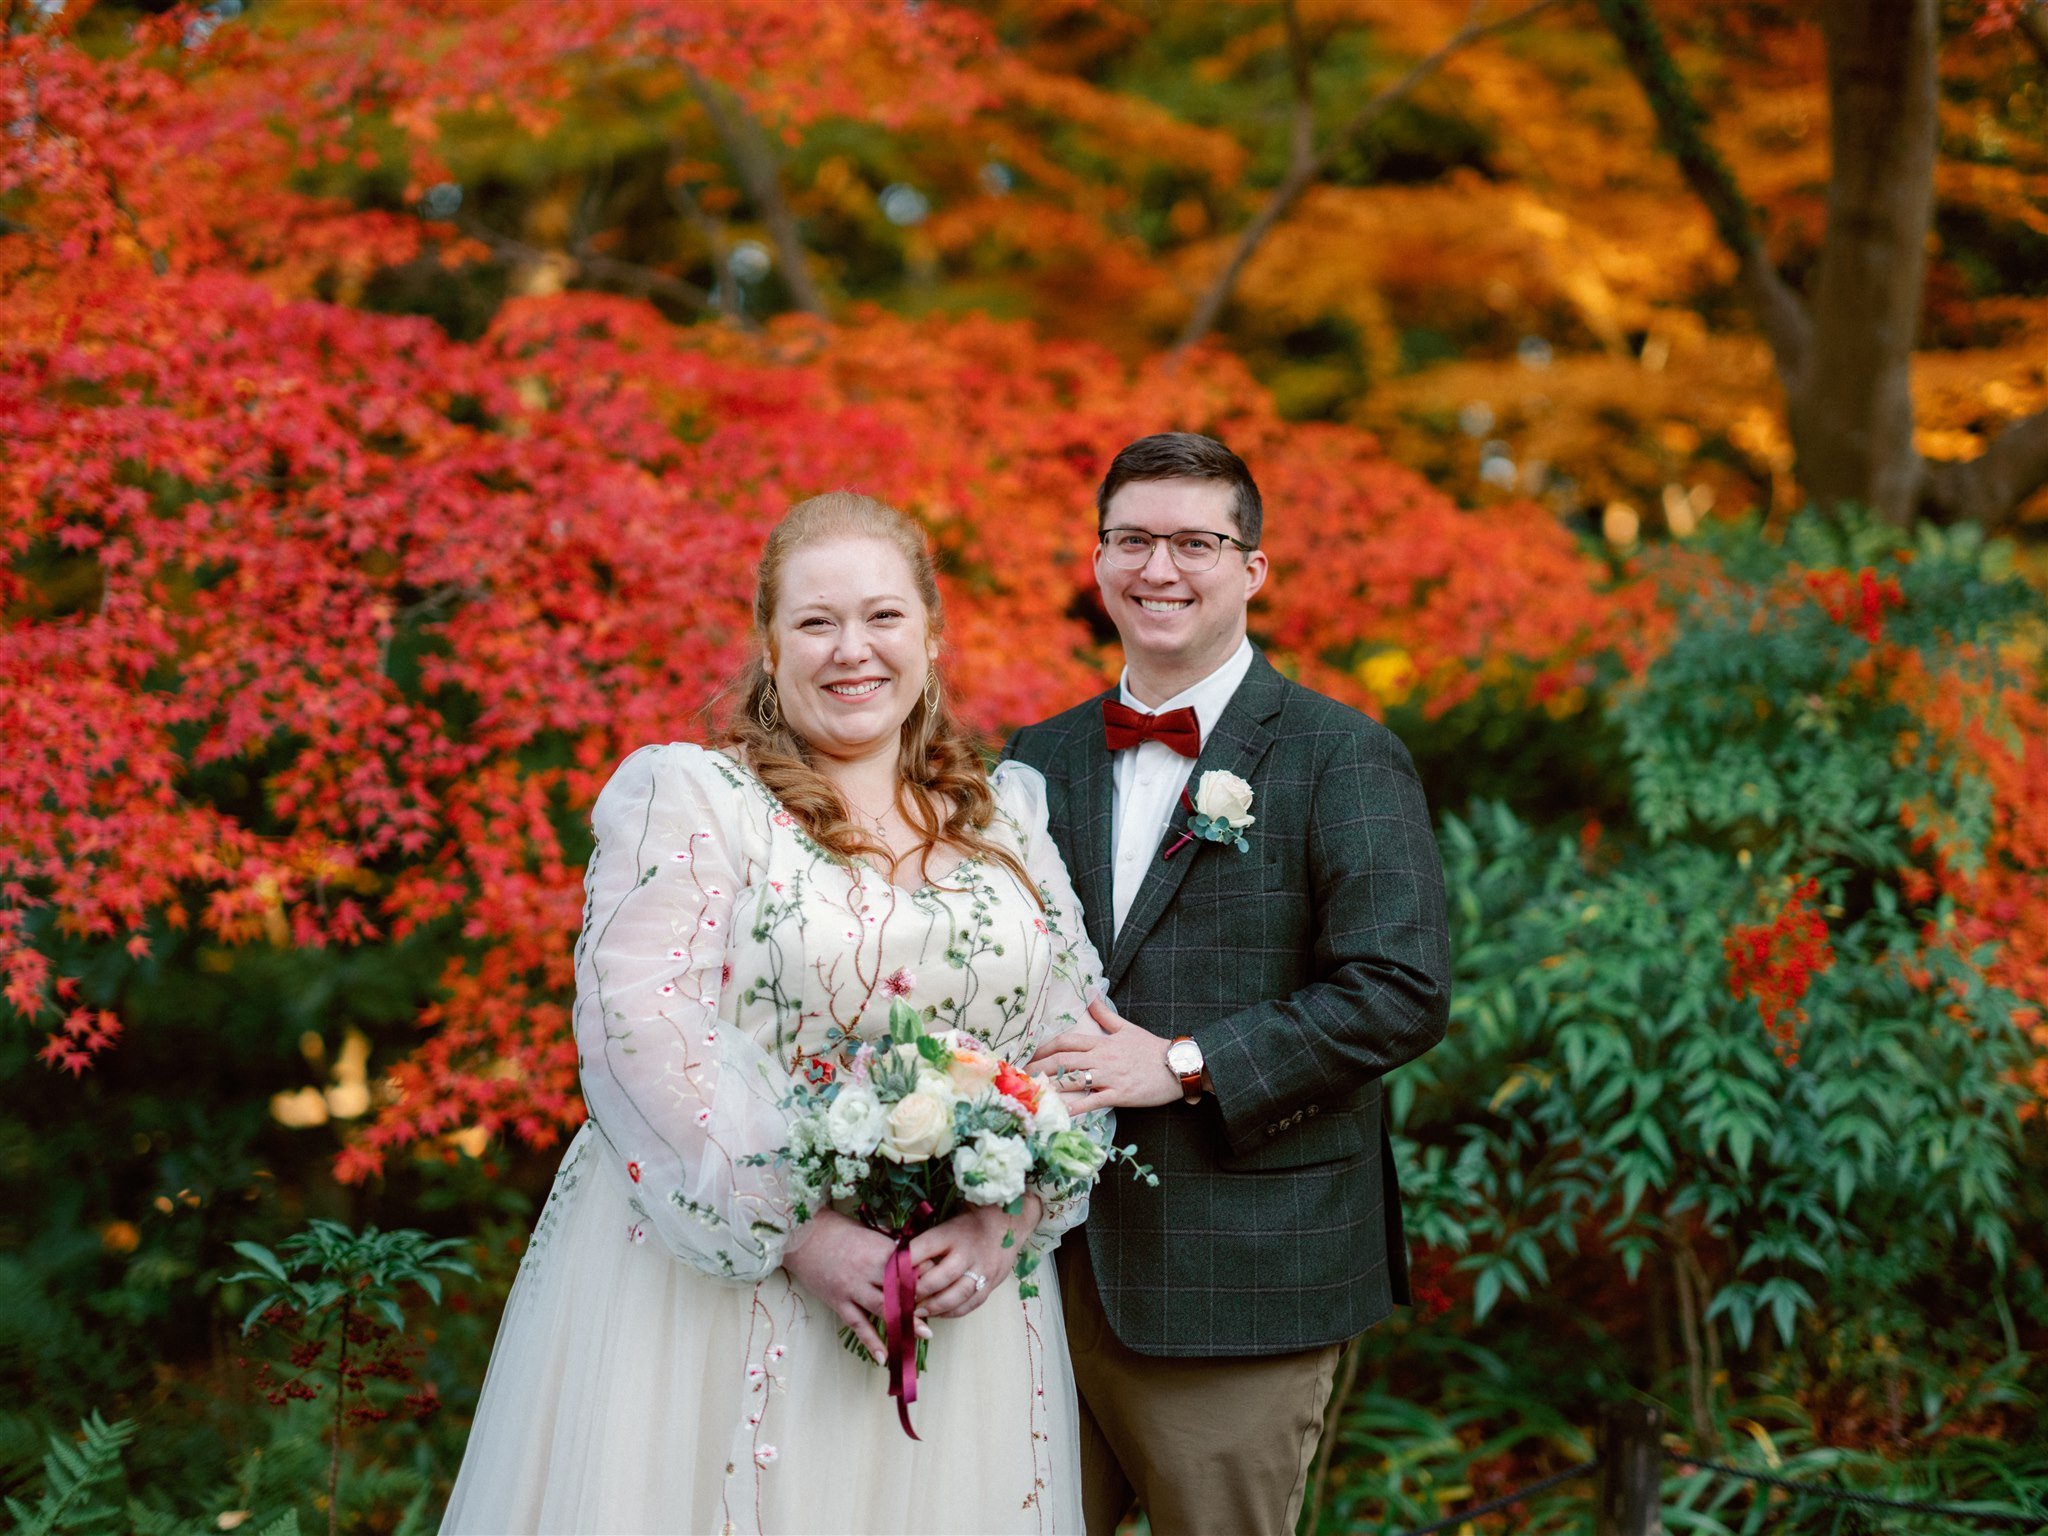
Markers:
point(1192, 549)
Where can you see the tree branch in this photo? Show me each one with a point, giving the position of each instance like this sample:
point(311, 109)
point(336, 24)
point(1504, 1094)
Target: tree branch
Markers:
point(1989, 488)
point(1681, 127)
point(725, 297)
point(2032, 22)
point(1305, 166)
point(604, 271)
point(755, 160)
point(1333, 1415)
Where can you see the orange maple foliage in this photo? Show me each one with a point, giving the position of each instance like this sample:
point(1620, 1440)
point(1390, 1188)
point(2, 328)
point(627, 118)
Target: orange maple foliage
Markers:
point(327, 626)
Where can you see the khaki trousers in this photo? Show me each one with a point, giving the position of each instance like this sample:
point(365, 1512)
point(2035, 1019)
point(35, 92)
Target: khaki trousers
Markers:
point(1208, 1447)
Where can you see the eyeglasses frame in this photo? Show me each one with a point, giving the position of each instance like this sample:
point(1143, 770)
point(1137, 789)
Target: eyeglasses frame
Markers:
point(1102, 543)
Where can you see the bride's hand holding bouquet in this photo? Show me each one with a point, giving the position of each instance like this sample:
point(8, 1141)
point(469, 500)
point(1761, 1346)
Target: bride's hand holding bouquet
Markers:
point(948, 1154)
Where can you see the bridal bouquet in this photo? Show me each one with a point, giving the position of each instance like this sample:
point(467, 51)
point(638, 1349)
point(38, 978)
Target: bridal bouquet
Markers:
point(909, 1131)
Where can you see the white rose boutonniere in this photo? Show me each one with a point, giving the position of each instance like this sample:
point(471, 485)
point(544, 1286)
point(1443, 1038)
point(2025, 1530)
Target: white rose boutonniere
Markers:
point(1226, 798)
point(1218, 812)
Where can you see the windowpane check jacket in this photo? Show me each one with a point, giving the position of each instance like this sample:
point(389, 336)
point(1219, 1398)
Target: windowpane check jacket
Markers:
point(1306, 969)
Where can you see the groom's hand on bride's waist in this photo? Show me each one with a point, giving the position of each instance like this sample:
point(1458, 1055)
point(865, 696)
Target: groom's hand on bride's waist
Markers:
point(1121, 1066)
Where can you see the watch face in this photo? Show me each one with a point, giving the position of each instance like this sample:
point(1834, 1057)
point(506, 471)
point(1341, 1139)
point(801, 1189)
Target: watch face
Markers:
point(1184, 1057)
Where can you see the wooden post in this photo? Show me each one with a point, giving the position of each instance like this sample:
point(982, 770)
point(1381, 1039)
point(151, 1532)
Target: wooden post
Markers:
point(1631, 1470)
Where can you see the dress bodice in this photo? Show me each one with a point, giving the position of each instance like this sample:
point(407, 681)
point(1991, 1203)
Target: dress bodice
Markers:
point(723, 949)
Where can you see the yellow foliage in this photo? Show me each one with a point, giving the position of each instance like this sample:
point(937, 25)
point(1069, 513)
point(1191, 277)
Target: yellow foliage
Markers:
point(1706, 421)
point(1390, 676)
point(1127, 124)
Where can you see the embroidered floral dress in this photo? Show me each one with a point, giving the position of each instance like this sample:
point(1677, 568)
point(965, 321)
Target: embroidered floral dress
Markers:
point(656, 1368)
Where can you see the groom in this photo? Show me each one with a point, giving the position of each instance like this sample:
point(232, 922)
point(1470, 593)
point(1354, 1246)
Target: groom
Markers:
point(1279, 979)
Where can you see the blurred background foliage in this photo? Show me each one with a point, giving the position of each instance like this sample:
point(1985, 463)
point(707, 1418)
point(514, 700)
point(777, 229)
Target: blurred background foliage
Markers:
point(396, 397)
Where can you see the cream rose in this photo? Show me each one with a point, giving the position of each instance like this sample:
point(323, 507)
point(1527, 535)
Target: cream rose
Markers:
point(1225, 797)
point(920, 1125)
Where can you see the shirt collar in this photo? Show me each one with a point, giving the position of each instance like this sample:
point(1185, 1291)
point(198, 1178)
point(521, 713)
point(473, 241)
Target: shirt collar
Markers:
point(1209, 698)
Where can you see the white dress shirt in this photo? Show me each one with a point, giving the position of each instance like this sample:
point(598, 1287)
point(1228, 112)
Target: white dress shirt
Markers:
point(1151, 775)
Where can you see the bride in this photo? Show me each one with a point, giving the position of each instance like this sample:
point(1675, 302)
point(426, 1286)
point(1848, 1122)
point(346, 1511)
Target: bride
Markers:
point(669, 1357)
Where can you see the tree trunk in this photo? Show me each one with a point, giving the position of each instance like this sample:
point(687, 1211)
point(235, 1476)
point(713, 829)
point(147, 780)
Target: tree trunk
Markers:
point(2033, 24)
point(1851, 404)
point(760, 172)
point(1846, 361)
point(340, 1407)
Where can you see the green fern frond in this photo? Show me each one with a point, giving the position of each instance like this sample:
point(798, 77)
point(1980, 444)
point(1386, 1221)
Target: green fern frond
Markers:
point(74, 1478)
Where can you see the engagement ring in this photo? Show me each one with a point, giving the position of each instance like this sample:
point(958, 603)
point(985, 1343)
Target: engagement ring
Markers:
point(980, 1281)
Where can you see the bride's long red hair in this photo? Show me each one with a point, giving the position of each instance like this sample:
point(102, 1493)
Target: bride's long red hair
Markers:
point(941, 786)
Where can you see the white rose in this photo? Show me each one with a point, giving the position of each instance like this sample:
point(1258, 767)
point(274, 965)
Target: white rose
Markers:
point(856, 1120)
point(993, 1170)
point(1225, 797)
point(920, 1126)
point(1052, 1116)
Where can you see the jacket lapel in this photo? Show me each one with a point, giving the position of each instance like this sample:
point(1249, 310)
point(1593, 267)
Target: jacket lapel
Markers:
point(1240, 740)
point(1092, 827)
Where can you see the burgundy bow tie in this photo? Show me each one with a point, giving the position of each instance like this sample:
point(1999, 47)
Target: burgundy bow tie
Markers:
point(1123, 727)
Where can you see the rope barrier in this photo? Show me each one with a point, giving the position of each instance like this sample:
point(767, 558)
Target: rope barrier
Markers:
point(1493, 1506)
point(2037, 1522)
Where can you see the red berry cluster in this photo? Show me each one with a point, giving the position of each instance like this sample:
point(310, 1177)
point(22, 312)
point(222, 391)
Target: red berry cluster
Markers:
point(1857, 598)
point(1429, 1283)
point(366, 1352)
point(1776, 962)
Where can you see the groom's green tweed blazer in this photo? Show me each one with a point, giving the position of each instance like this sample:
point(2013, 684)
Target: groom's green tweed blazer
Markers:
point(1306, 968)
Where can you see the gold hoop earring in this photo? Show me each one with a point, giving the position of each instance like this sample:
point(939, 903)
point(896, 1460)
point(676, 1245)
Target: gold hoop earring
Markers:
point(768, 708)
point(931, 691)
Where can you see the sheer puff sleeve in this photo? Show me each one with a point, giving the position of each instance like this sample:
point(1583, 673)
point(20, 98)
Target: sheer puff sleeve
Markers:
point(684, 1102)
point(1075, 977)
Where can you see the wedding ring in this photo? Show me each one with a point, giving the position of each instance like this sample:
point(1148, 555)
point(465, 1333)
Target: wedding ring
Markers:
point(980, 1281)
point(1088, 1079)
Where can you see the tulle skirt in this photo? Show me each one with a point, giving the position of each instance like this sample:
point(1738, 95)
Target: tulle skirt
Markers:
point(628, 1392)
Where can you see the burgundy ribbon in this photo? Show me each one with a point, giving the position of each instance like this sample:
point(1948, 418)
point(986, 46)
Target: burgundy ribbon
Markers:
point(1186, 837)
point(899, 1315)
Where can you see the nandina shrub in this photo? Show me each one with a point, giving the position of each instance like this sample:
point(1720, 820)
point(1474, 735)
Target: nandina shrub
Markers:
point(1736, 1084)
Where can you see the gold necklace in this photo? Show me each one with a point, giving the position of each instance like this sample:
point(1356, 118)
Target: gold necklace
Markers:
point(879, 823)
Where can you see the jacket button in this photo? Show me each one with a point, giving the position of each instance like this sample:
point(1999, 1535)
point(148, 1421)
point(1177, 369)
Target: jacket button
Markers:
point(1312, 1109)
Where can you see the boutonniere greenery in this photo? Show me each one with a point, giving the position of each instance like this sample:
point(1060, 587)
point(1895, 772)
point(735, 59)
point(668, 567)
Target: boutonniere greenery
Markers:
point(1218, 812)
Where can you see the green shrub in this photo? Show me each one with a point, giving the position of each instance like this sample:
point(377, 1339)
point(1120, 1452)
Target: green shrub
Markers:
point(1619, 1172)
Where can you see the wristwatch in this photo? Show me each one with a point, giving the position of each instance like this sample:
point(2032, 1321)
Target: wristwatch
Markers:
point(1184, 1061)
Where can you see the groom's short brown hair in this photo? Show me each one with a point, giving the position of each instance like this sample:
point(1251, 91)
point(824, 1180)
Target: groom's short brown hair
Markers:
point(1185, 456)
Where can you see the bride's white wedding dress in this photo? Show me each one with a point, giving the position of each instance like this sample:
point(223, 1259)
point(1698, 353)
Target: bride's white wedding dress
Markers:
point(656, 1369)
